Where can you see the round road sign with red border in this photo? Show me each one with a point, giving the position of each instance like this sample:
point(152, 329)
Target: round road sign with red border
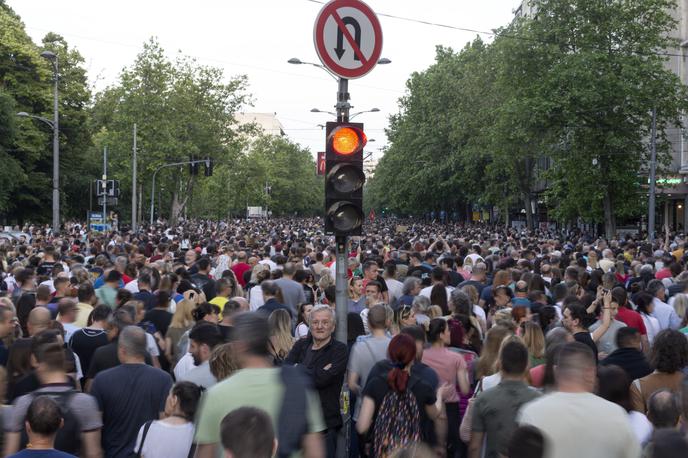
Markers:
point(348, 38)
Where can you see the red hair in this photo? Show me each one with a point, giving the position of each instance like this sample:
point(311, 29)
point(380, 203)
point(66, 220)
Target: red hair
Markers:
point(401, 351)
point(517, 313)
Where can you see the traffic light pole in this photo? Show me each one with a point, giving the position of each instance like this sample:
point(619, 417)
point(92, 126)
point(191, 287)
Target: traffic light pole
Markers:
point(105, 184)
point(341, 293)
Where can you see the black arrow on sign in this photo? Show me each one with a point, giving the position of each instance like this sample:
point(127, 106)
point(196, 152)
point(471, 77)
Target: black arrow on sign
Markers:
point(339, 50)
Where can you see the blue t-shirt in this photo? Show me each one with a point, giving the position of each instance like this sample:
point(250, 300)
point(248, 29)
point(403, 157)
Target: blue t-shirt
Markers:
point(32, 453)
point(128, 395)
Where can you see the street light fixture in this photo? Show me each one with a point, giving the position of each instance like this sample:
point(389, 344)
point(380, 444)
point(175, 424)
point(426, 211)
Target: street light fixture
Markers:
point(372, 110)
point(315, 110)
point(297, 61)
point(24, 114)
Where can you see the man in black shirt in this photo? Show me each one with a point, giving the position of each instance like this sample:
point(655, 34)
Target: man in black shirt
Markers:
point(270, 290)
point(628, 356)
point(144, 295)
point(202, 279)
point(105, 357)
point(130, 394)
point(418, 269)
point(447, 264)
point(324, 360)
point(86, 341)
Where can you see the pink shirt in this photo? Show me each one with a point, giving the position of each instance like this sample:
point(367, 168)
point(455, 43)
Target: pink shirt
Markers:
point(446, 363)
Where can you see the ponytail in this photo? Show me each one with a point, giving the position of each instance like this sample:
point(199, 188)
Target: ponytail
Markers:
point(401, 352)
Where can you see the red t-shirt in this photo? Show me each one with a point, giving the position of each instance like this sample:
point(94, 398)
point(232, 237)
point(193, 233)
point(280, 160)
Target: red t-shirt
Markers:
point(239, 270)
point(632, 319)
point(663, 273)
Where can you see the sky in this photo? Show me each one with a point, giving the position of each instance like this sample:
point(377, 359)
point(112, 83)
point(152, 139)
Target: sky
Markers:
point(257, 37)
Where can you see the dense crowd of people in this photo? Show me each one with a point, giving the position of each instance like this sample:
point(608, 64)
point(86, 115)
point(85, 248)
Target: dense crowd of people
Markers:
point(217, 339)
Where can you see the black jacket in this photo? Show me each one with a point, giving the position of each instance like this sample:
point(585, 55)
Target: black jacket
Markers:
point(271, 305)
point(631, 360)
point(328, 381)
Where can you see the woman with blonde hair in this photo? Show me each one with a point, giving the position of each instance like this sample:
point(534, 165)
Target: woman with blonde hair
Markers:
point(535, 342)
point(223, 361)
point(281, 339)
point(182, 321)
point(680, 304)
point(490, 351)
point(404, 316)
point(434, 311)
point(326, 280)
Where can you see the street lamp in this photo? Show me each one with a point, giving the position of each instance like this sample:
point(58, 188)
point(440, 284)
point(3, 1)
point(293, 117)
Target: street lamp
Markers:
point(315, 110)
point(297, 61)
point(372, 110)
point(52, 57)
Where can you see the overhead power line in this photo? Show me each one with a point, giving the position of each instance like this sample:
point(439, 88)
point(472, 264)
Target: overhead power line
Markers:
point(488, 33)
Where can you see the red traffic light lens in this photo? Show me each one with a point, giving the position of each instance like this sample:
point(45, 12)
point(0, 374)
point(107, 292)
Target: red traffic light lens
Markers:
point(347, 140)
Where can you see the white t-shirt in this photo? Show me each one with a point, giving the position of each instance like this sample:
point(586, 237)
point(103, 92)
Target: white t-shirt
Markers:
point(395, 289)
point(581, 425)
point(427, 290)
point(642, 428)
point(151, 345)
point(480, 313)
point(301, 331)
point(50, 284)
point(255, 298)
point(652, 327)
point(132, 286)
point(164, 440)
point(184, 365)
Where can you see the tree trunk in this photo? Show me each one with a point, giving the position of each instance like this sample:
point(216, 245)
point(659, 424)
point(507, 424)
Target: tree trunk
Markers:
point(529, 211)
point(609, 220)
point(178, 205)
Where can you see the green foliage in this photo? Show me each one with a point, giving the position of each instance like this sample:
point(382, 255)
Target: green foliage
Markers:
point(26, 80)
point(286, 168)
point(573, 85)
point(182, 110)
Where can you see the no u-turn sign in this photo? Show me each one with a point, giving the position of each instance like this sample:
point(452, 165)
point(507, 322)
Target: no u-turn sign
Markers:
point(348, 38)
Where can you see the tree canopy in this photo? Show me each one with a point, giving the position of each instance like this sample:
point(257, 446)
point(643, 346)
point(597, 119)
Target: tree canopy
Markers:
point(556, 110)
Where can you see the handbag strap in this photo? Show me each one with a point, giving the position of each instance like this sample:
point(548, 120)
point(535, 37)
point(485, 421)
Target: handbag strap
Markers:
point(146, 427)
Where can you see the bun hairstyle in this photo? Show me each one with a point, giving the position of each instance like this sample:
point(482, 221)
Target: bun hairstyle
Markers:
point(401, 351)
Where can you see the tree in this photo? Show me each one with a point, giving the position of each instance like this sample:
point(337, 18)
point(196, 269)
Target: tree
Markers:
point(79, 164)
point(573, 85)
point(26, 78)
point(607, 73)
point(183, 111)
point(266, 160)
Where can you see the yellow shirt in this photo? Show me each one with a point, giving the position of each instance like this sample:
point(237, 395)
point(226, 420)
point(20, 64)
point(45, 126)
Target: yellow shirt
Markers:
point(220, 302)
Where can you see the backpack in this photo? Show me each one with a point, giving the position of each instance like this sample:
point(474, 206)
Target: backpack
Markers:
point(292, 422)
point(68, 437)
point(397, 424)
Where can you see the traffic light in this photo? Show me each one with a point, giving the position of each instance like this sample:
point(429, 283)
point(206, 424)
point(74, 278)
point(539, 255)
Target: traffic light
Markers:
point(193, 166)
point(208, 167)
point(344, 178)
